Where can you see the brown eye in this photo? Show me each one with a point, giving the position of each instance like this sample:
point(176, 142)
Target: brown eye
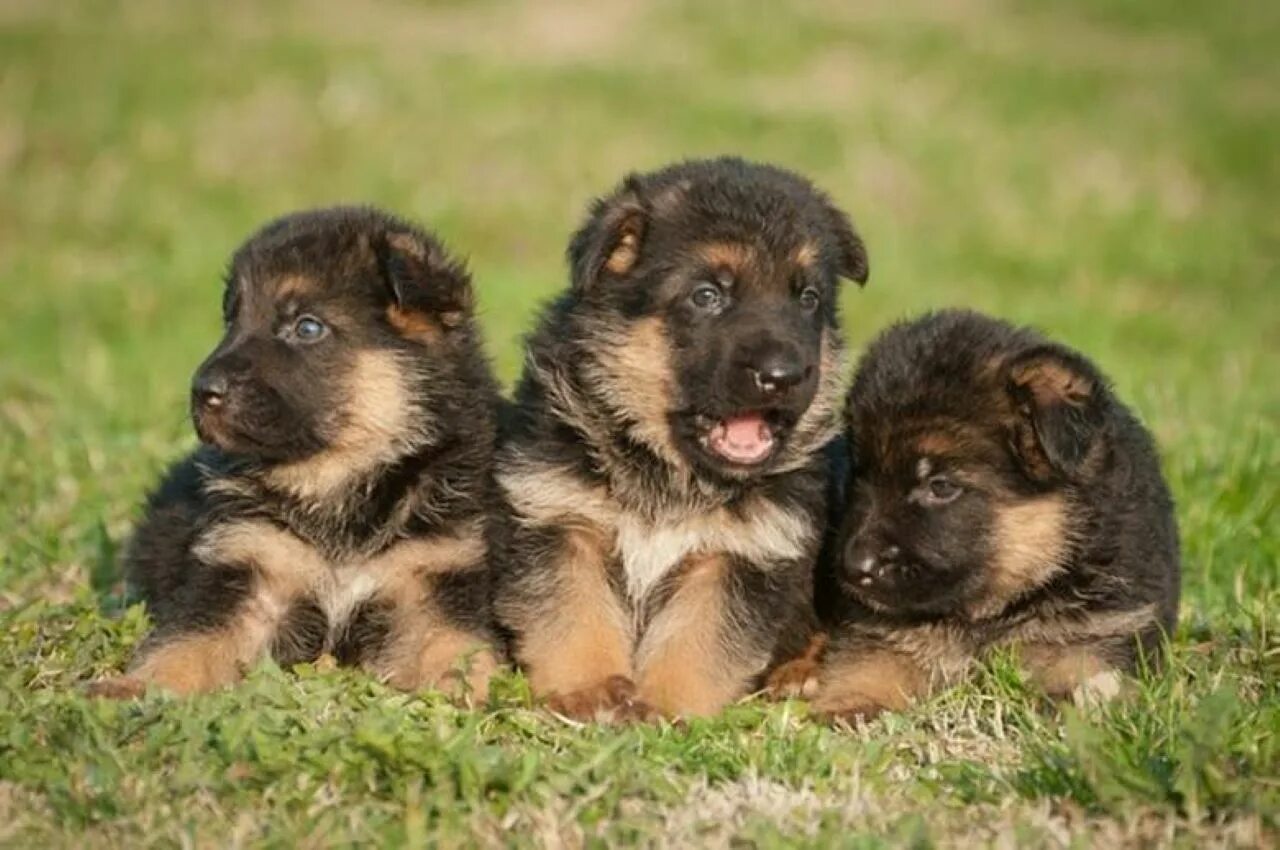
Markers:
point(809, 299)
point(943, 490)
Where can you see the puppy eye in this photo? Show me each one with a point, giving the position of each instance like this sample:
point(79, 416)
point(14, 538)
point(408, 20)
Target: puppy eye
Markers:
point(707, 296)
point(810, 299)
point(943, 490)
point(309, 329)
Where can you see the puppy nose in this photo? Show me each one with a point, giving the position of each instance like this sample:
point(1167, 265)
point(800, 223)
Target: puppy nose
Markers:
point(777, 372)
point(210, 389)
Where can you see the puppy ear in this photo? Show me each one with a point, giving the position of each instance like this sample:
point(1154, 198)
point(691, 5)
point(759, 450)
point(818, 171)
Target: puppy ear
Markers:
point(851, 252)
point(1060, 401)
point(608, 243)
point(424, 282)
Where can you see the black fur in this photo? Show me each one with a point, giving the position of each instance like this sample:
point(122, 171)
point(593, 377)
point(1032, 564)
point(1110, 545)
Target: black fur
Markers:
point(267, 403)
point(772, 248)
point(957, 420)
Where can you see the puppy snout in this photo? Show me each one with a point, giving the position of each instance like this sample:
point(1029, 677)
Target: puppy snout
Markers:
point(209, 390)
point(866, 563)
point(776, 371)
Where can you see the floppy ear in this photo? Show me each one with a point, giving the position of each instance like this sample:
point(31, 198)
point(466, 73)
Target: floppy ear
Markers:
point(425, 283)
point(609, 241)
point(851, 253)
point(1060, 402)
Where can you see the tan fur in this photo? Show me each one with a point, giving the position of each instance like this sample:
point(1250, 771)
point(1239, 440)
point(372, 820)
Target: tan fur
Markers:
point(201, 662)
point(624, 255)
point(821, 421)
point(806, 255)
point(936, 443)
point(867, 683)
point(375, 427)
point(799, 677)
point(633, 372)
point(408, 244)
point(650, 547)
point(1030, 545)
point(1080, 673)
point(584, 639)
point(733, 257)
point(414, 325)
point(292, 287)
point(1052, 384)
point(686, 662)
point(286, 569)
point(549, 495)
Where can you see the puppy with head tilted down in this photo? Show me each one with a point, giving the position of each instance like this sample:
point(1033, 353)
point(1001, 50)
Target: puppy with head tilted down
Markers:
point(663, 463)
point(341, 498)
point(998, 495)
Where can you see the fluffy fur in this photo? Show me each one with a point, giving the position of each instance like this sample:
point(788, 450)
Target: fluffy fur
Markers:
point(340, 501)
point(997, 494)
point(663, 459)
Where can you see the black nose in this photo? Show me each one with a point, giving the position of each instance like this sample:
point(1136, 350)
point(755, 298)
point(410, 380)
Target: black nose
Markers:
point(209, 390)
point(777, 372)
point(866, 561)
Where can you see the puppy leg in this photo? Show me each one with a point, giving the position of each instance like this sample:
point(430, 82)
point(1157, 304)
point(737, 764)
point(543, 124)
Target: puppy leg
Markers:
point(799, 676)
point(427, 653)
point(861, 681)
point(239, 581)
point(1081, 674)
point(572, 631)
point(193, 662)
point(690, 661)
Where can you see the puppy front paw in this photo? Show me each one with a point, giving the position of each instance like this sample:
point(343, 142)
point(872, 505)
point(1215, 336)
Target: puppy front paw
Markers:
point(116, 687)
point(613, 700)
point(849, 709)
point(795, 678)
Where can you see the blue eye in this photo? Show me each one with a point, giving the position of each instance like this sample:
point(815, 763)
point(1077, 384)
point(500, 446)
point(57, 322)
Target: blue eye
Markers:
point(309, 329)
point(707, 296)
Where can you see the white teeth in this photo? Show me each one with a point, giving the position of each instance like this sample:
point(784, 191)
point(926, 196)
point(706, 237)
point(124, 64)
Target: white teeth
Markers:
point(865, 581)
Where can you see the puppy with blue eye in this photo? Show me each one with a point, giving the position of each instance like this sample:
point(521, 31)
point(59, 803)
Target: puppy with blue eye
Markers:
point(997, 495)
point(339, 503)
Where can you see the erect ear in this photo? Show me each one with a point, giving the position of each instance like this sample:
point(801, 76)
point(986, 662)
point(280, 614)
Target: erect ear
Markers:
point(1061, 402)
point(426, 285)
point(608, 243)
point(851, 253)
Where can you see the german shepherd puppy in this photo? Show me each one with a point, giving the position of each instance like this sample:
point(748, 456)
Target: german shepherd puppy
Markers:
point(663, 460)
point(999, 495)
point(340, 500)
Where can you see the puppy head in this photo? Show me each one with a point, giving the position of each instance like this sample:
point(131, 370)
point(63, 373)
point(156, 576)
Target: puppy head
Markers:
point(972, 442)
point(340, 326)
point(711, 291)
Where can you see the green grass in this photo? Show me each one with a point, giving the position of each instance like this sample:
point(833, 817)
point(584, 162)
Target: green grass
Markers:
point(1105, 170)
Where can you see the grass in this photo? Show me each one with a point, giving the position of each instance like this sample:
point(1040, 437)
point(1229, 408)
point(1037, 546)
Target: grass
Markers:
point(1107, 171)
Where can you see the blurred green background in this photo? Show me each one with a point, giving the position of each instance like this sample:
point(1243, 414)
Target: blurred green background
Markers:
point(1108, 170)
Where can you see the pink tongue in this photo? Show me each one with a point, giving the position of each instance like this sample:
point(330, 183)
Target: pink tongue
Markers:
point(742, 439)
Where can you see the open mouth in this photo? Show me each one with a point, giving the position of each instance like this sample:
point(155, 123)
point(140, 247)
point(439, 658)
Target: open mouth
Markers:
point(745, 439)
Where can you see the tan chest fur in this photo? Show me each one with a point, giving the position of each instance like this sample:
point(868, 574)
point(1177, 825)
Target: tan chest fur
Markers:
point(648, 548)
point(288, 569)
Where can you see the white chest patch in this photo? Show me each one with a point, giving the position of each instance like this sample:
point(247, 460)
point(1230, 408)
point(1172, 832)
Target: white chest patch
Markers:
point(765, 535)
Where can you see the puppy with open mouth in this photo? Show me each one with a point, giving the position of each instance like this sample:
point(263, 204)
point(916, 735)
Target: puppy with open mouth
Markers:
point(340, 501)
point(998, 495)
point(662, 461)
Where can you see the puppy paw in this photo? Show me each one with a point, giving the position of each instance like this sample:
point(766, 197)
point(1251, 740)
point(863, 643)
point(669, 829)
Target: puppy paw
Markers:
point(848, 709)
point(610, 701)
point(116, 687)
point(796, 678)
